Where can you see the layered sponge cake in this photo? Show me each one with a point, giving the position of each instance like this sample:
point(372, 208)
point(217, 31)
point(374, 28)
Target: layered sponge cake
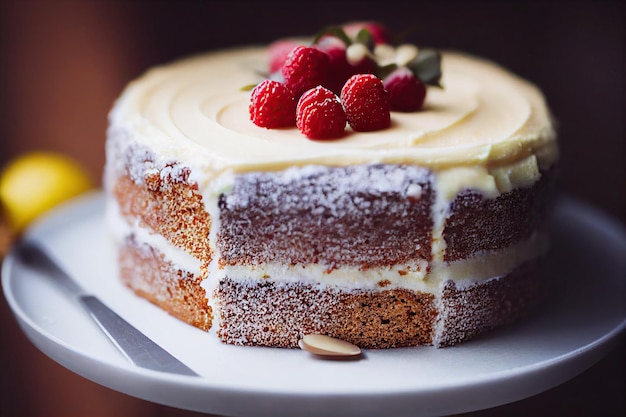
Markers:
point(427, 232)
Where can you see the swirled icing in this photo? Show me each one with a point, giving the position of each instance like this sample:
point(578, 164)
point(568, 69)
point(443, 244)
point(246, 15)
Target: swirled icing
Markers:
point(484, 119)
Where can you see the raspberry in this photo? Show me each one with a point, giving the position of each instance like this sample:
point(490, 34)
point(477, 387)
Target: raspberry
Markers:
point(272, 105)
point(306, 67)
point(320, 115)
point(358, 57)
point(366, 103)
point(379, 33)
point(341, 68)
point(278, 52)
point(406, 91)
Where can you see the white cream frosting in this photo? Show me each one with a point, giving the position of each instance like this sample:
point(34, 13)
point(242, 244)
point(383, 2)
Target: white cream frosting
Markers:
point(195, 111)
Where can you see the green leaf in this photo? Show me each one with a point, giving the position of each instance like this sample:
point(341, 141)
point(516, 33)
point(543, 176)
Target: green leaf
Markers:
point(336, 31)
point(385, 70)
point(248, 87)
point(365, 37)
point(427, 67)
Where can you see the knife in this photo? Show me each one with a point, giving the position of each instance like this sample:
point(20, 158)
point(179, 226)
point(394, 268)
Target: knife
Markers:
point(134, 345)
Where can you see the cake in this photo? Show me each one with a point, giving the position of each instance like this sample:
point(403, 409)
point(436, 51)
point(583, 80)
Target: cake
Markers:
point(427, 232)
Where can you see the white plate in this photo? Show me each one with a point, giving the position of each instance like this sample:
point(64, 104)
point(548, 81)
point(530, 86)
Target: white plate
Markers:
point(581, 322)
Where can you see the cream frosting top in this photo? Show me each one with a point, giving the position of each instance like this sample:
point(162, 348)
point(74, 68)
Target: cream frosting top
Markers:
point(195, 111)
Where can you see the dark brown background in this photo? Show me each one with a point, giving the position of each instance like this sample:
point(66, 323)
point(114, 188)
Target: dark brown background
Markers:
point(63, 64)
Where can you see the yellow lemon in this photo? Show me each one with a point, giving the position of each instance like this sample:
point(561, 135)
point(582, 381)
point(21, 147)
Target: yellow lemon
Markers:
point(36, 182)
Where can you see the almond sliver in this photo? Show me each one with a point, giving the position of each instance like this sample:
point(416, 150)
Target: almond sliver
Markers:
point(319, 344)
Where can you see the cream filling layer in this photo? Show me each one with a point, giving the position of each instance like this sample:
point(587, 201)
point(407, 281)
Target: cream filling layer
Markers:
point(416, 277)
point(122, 227)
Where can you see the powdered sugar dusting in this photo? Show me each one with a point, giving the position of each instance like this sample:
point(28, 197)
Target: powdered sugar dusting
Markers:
point(127, 156)
point(331, 215)
point(335, 189)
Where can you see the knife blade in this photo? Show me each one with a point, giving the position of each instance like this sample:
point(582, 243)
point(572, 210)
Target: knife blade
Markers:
point(134, 345)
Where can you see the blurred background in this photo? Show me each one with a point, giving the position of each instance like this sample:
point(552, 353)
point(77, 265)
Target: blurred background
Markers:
point(65, 62)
